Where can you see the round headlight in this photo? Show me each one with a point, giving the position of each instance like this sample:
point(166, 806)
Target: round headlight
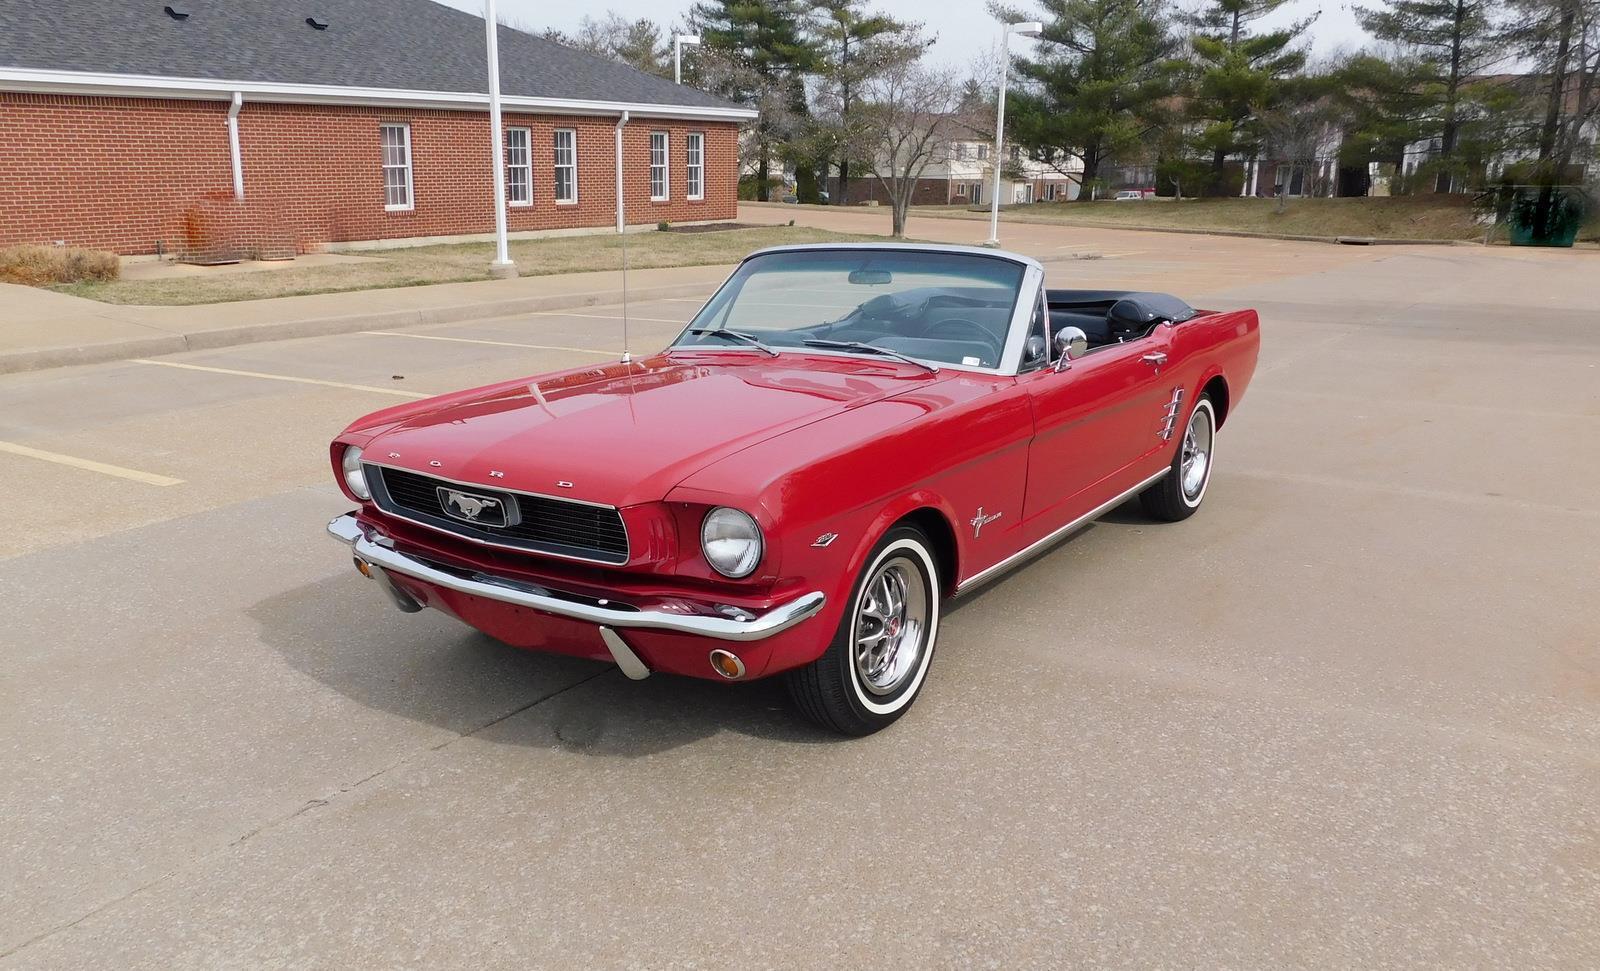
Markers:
point(731, 541)
point(354, 477)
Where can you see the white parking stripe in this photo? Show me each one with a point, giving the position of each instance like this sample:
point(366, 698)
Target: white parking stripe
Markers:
point(148, 478)
point(474, 340)
point(284, 377)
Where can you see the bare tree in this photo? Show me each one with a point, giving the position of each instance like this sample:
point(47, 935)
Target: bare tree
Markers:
point(640, 43)
point(911, 119)
point(1301, 136)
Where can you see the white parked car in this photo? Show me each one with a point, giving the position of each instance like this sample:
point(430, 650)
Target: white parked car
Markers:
point(1130, 194)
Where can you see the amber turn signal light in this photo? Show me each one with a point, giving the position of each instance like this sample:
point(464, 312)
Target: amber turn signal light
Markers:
point(362, 566)
point(727, 664)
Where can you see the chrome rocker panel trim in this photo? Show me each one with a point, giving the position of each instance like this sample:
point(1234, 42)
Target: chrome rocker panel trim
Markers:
point(1034, 549)
point(347, 530)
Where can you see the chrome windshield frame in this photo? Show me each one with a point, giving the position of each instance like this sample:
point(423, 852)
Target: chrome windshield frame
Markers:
point(1016, 334)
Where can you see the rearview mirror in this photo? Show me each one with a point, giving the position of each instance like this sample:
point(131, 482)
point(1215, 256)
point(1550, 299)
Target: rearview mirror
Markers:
point(871, 278)
point(1071, 344)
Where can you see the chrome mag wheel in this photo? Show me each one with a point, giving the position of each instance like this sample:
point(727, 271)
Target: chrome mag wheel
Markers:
point(891, 626)
point(1195, 465)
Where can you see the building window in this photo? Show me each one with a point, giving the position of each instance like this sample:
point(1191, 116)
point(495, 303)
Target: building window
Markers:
point(519, 166)
point(566, 145)
point(396, 166)
point(694, 164)
point(983, 151)
point(658, 167)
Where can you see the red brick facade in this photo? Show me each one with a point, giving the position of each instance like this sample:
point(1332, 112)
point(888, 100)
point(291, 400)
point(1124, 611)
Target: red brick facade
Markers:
point(126, 174)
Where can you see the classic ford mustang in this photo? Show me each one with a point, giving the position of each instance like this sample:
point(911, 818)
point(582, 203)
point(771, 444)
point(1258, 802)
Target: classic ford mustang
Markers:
point(844, 438)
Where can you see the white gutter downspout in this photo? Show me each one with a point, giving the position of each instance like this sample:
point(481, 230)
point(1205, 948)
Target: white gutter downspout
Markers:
point(233, 144)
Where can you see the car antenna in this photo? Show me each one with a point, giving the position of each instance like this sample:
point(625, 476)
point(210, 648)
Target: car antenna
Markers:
point(622, 230)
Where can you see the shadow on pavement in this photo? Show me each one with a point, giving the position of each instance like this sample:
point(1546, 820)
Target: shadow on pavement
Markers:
point(430, 668)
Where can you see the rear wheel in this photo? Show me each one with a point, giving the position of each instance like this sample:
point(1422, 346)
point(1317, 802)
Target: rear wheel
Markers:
point(1181, 490)
point(879, 657)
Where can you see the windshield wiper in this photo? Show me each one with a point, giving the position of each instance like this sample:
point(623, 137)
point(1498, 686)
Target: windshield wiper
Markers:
point(737, 335)
point(870, 349)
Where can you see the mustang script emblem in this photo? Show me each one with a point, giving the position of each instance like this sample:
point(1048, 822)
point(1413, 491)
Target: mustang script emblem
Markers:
point(980, 520)
point(473, 508)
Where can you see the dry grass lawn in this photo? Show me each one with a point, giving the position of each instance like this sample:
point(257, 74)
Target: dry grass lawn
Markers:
point(454, 263)
point(41, 266)
point(1393, 217)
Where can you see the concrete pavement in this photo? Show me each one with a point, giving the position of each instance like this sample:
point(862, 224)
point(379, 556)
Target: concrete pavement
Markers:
point(42, 329)
point(1347, 715)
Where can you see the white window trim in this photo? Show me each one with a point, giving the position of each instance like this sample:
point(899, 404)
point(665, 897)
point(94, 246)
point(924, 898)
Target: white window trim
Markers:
point(700, 137)
point(555, 189)
point(411, 189)
point(666, 166)
point(528, 165)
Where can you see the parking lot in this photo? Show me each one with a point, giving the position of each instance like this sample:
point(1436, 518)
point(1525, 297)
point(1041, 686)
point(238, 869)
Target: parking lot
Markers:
point(1348, 715)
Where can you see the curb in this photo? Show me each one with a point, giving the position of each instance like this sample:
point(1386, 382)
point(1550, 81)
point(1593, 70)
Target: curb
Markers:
point(44, 358)
point(1022, 219)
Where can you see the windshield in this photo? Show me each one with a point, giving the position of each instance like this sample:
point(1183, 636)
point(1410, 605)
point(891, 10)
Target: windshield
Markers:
point(944, 308)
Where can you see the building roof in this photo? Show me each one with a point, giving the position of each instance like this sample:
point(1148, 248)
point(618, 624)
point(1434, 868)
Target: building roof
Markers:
point(366, 45)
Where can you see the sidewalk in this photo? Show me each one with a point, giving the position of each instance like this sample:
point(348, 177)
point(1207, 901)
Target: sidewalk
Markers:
point(43, 329)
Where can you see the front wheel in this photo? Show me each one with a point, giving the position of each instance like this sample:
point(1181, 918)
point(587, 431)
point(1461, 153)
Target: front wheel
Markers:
point(1180, 491)
point(875, 666)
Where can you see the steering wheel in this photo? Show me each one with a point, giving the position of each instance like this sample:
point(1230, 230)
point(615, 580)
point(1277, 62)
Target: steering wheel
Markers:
point(964, 330)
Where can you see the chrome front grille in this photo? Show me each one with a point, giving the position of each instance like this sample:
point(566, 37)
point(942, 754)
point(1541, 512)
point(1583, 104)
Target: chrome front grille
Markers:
point(540, 524)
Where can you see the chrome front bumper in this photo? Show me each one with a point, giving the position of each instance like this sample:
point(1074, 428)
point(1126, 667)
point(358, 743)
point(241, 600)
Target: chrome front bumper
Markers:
point(377, 552)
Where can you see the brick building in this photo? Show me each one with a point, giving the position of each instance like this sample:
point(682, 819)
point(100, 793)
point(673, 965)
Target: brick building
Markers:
point(216, 128)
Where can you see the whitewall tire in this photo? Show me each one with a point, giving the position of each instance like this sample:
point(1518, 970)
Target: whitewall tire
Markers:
point(880, 655)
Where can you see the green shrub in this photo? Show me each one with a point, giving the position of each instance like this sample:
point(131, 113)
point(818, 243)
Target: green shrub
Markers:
point(663, 226)
point(42, 266)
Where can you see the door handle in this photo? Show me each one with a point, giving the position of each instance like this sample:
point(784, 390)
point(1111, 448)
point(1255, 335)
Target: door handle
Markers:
point(1154, 357)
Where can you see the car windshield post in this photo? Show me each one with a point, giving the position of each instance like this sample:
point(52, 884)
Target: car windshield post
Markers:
point(929, 307)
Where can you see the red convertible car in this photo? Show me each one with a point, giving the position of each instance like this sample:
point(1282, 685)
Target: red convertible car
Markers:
point(843, 439)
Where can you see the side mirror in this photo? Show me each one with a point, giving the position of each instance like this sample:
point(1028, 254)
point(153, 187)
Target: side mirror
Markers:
point(1071, 344)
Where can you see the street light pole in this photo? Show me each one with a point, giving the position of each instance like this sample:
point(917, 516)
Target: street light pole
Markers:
point(678, 42)
point(1028, 29)
point(502, 267)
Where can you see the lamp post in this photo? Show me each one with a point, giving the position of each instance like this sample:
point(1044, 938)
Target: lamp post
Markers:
point(678, 42)
point(1029, 29)
point(501, 268)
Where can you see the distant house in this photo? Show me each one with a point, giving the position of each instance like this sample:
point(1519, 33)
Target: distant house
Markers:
point(276, 126)
point(962, 173)
point(1532, 90)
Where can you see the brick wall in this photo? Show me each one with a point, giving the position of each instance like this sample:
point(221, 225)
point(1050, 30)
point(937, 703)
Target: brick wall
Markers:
point(125, 174)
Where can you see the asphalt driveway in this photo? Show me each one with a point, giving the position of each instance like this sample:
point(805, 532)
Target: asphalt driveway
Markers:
point(1348, 715)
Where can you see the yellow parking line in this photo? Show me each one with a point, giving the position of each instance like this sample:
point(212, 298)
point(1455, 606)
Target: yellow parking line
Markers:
point(564, 313)
point(148, 478)
point(284, 377)
point(474, 340)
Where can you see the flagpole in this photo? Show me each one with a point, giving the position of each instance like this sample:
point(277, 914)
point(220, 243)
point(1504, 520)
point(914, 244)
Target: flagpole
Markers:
point(502, 267)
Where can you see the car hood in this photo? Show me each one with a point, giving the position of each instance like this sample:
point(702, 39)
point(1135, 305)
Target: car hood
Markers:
point(623, 434)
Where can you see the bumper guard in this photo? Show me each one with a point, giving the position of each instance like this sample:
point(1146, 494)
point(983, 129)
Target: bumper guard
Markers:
point(378, 553)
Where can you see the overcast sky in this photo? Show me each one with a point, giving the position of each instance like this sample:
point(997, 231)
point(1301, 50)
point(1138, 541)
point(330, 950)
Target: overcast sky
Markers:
point(964, 28)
